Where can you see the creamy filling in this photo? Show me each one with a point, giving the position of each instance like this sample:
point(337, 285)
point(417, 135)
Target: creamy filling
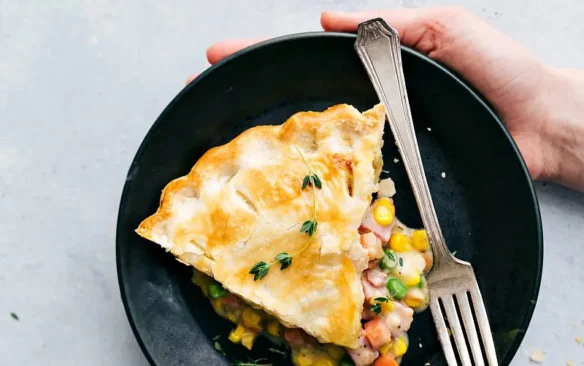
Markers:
point(394, 287)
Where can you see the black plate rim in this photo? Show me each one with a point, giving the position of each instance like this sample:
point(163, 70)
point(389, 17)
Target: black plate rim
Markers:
point(297, 36)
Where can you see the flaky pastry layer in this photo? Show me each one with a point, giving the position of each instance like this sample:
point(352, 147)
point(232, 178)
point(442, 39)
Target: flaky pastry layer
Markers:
point(243, 203)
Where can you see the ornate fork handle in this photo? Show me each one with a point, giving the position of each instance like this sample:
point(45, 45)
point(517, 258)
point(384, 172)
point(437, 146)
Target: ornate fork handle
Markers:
point(378, 47)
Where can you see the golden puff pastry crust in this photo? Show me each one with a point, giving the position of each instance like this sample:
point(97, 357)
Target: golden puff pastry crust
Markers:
point(243, 203)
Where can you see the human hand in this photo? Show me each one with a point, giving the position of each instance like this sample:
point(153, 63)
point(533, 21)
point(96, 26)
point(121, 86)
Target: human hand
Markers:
point(542, 107)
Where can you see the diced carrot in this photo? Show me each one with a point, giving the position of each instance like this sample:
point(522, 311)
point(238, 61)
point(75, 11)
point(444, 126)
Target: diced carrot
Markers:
point(429, 258)
point(362, 240)
point(362, 231)
point(385, 360)
point(377, 332)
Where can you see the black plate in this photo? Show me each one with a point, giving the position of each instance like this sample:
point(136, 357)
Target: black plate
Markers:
point(486, 203)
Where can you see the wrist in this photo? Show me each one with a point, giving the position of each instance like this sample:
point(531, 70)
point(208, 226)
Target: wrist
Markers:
point(562, 128)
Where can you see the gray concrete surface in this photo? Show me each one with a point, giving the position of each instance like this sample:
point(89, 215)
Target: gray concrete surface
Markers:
point(80, 84)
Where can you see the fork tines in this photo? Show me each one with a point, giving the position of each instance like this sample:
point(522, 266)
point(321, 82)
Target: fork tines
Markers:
point(458, 310)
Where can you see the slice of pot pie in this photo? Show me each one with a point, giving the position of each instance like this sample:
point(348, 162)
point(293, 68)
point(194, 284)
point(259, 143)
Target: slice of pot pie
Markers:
point(281, 229)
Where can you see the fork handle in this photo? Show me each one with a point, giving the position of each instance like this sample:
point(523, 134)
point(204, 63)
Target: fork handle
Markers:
point(378, 46)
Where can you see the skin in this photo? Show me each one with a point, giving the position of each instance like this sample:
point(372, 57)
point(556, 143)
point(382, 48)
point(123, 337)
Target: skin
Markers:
point(542, 106)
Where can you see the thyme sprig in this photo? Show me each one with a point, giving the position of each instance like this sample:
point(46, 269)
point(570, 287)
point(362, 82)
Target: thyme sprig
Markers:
point(261, 269)
point(376, 308)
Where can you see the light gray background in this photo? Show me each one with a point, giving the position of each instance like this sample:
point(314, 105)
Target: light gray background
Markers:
point(80, 84)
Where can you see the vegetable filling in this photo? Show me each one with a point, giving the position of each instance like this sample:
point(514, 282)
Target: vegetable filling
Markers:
point(394, 288)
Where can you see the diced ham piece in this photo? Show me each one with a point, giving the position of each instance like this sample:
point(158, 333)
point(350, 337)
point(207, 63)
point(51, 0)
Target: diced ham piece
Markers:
point(400, 319)
point(364, 354)
point(376, 277)
point(373, 264)
point(294, 336)
point(377, 332)
point(232, 302)
point(382, 232)
point(371, 291)
point(367, 314)
point(372, 244)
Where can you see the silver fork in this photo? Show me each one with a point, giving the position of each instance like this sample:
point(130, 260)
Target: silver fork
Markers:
point(451, 280)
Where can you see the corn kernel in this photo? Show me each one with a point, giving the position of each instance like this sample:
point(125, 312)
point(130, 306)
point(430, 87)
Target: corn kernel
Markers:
point(274, 328)
point(415, 298)
point(324, 361)
point(420, 240)
point(248, 339)
point(384, 211)
point(400, 243)
point(385, 348)
point(413, 280)
point(303, 359)
point(414, 302)
point(335, 352)
point(399, 348)
point(252, 319)
point(387, 307)
point(236, 334)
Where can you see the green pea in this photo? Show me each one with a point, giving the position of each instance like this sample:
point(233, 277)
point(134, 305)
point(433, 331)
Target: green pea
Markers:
point(216, 291)
point(397, 289)
point(346, 361)
point(389, 260)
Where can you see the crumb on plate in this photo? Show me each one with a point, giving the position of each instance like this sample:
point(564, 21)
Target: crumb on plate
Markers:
point(386, 188)
point(537, 356)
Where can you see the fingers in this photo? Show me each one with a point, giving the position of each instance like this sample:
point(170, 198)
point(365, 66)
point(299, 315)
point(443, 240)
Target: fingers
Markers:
point(219, 51)
point(484, 56)
point(502, 70)
point(348, 22)
point(191, 78)
point(426, 29)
